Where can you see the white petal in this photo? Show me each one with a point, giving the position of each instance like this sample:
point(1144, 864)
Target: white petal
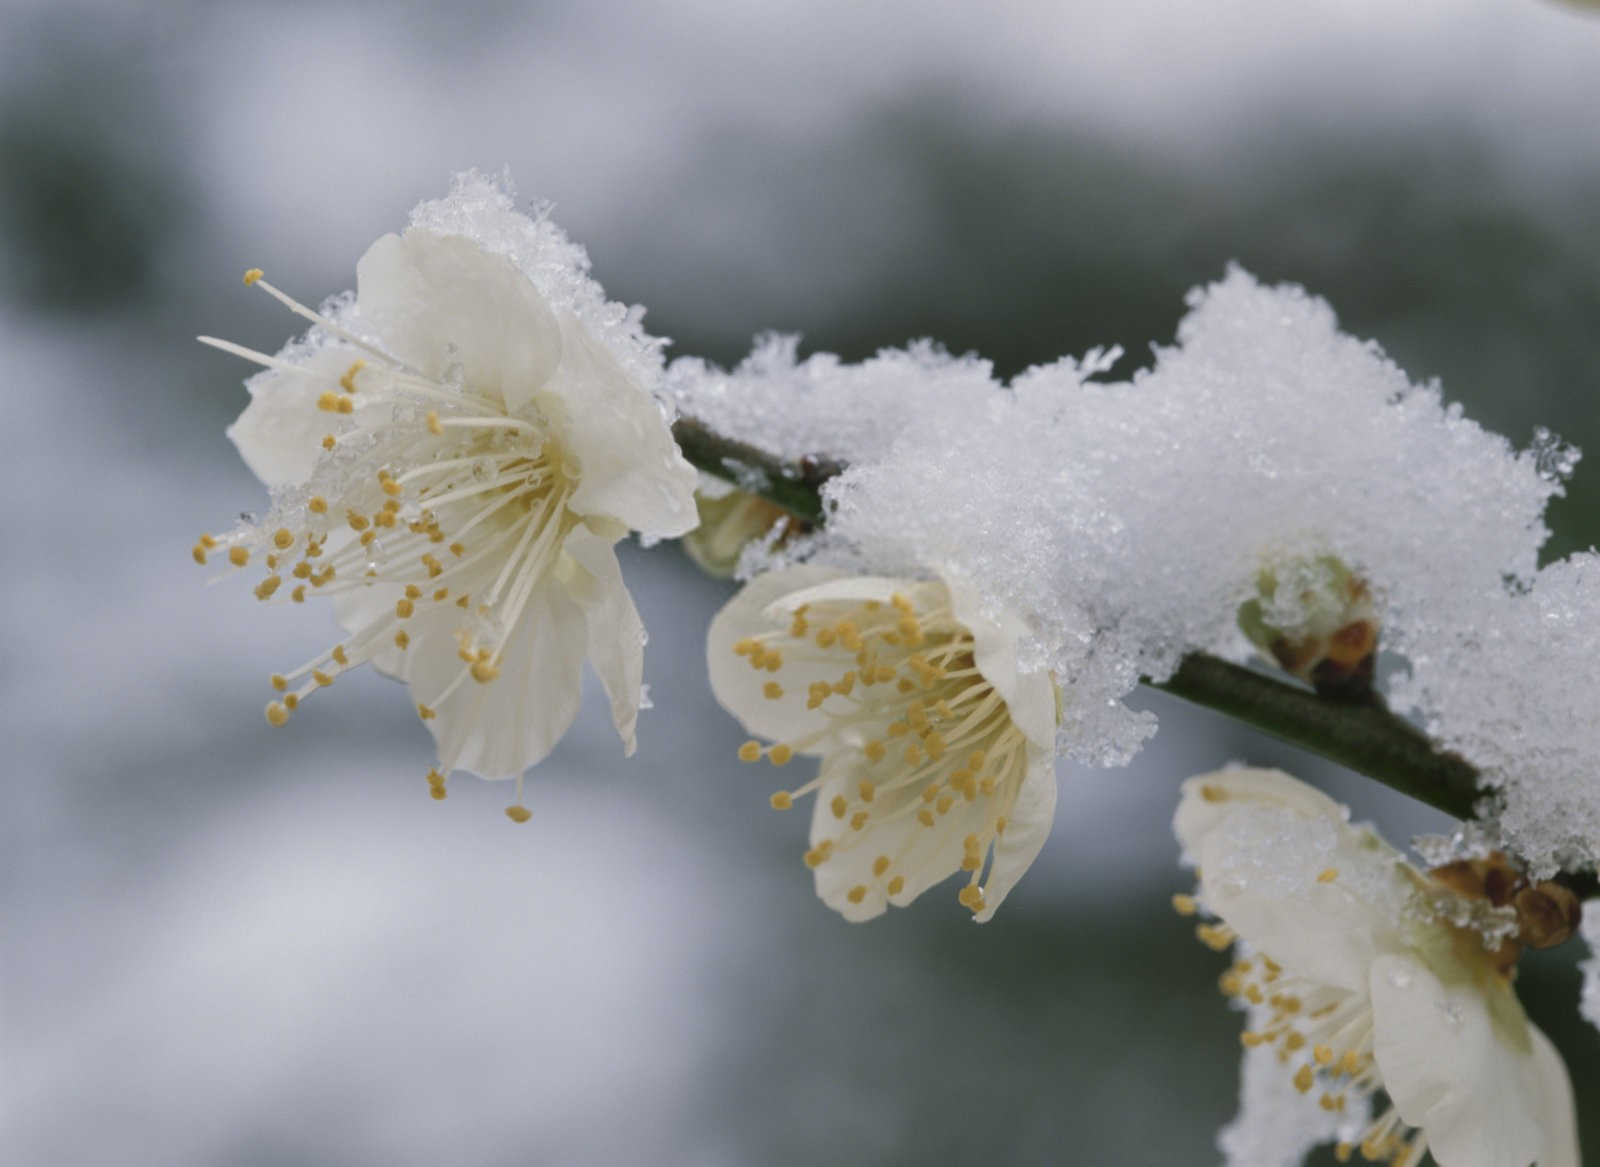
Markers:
point(440, 301)
point(615, 632)
point(630, 466)
point(923, 856)
point(738, 687)
point(1030, 697)
point(279, 434)
point(499, 729)
point(1558, 1119)
point(1310, 893)
point(1461, 1062)
point(1208, 798)
point(1027, 827)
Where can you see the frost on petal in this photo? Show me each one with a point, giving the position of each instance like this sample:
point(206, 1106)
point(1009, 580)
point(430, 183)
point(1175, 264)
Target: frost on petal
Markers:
point(1282, 868)
point(458, 313)
point(614, 631)
point(1031, 697)
point(1461, 1062)
point(1277, 1124)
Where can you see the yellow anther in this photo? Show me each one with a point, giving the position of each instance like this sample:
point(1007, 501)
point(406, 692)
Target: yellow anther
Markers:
point(970, 862)
point(463, 601)
point(839, 806)
point(1303, 1079)
point(826, 637)
point(317, 505)
point(780, 754)
point(1294, 1041)
point(1211, 792)
point(931, 791)
point(944, 804)
point(898, 729)
point(279, 682)
point(291, 701)
point(340, 655)
point(845, 684)
point(1000, 825)
point(1350, 1063)
point(302, 570)
point(874, 750)
point(403, 608)
point(357, 521)
point(1328, 1102)
point(772, 661)
point(913, 755)
point(904, 605)
point(1342, 1151)
point(348, 381)
point(518, 813)
point(856, 894)
point(251, 276)
point(750, 751)
point(277, 713)
point(329, 441)
point(1216, 937)
point(772, 690)
point(975, 760)
point(328, 402)
point(859, 819)
point(238, 556)
point(971, 897)
point(880, 865)
point(970, 843)
point(866, 789)
point(392, 488)
point(346, 405)
point(883, 674)
point(299, 594)
point(458, 549)
point(1322, 1055)
point(781, 800)
point(1250, 1039)
point(199, 554)
point(441, 595)
point(1328, 875)
point(897, 885)
point(283, 538)
point(1251, 992)
point(321, 678)
point(925, 817)
point(402, 639)
point(484, 671)
point(425, 712)
point(934, 744)
point(266, 587)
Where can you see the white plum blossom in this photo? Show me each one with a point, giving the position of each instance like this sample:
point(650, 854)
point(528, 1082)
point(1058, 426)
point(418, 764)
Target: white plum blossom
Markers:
point(1359, 981)
point(453, 452)
point(937, 754)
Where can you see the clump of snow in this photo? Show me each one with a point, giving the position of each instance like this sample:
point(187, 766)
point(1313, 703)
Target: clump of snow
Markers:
point(822, 406)
point(1127, 522)
point(1277, 1125)
point(1511, 682)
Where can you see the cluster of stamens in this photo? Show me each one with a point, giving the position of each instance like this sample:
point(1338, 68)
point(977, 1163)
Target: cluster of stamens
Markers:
point(934, 734)
point(1322, 1036)
point(460, 506)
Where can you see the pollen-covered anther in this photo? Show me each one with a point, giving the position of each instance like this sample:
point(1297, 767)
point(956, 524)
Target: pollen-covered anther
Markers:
point(781, 800)
point(436, 785)
point(518, 813)
point(277, 713)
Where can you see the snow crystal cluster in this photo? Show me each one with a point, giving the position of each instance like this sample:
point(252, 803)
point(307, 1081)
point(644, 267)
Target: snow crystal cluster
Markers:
point(1126, 521)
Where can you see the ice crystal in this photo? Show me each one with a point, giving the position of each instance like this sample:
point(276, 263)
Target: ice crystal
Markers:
point(1589, 1003)
point(1510, 680)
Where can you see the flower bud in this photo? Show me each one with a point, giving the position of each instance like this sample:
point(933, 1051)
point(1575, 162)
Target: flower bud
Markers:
point(729, 520)
point(1316, 619)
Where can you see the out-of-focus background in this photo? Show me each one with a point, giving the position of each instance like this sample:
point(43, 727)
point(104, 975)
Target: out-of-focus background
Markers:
point(224, 944)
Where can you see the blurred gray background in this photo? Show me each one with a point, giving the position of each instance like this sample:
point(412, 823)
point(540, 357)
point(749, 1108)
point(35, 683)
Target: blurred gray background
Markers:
point(224, 944)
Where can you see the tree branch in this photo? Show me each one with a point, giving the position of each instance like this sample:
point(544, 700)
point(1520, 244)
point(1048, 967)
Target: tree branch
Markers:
point(1365, 736)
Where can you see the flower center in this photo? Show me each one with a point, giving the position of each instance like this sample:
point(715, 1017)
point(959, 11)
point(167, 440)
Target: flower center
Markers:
point(430, 501)
point(916, 721)
point(1323, 1038)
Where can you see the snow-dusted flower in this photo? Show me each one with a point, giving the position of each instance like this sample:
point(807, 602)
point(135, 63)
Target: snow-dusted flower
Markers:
point(1363, 974)
point(453, 453)
point(937, 753)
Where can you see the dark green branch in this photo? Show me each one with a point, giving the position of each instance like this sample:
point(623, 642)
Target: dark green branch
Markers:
point(1365, 736)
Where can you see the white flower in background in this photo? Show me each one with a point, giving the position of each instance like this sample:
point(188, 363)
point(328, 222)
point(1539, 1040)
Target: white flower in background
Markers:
point(937, 754)
point(1360, 982)
point(453, 453)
